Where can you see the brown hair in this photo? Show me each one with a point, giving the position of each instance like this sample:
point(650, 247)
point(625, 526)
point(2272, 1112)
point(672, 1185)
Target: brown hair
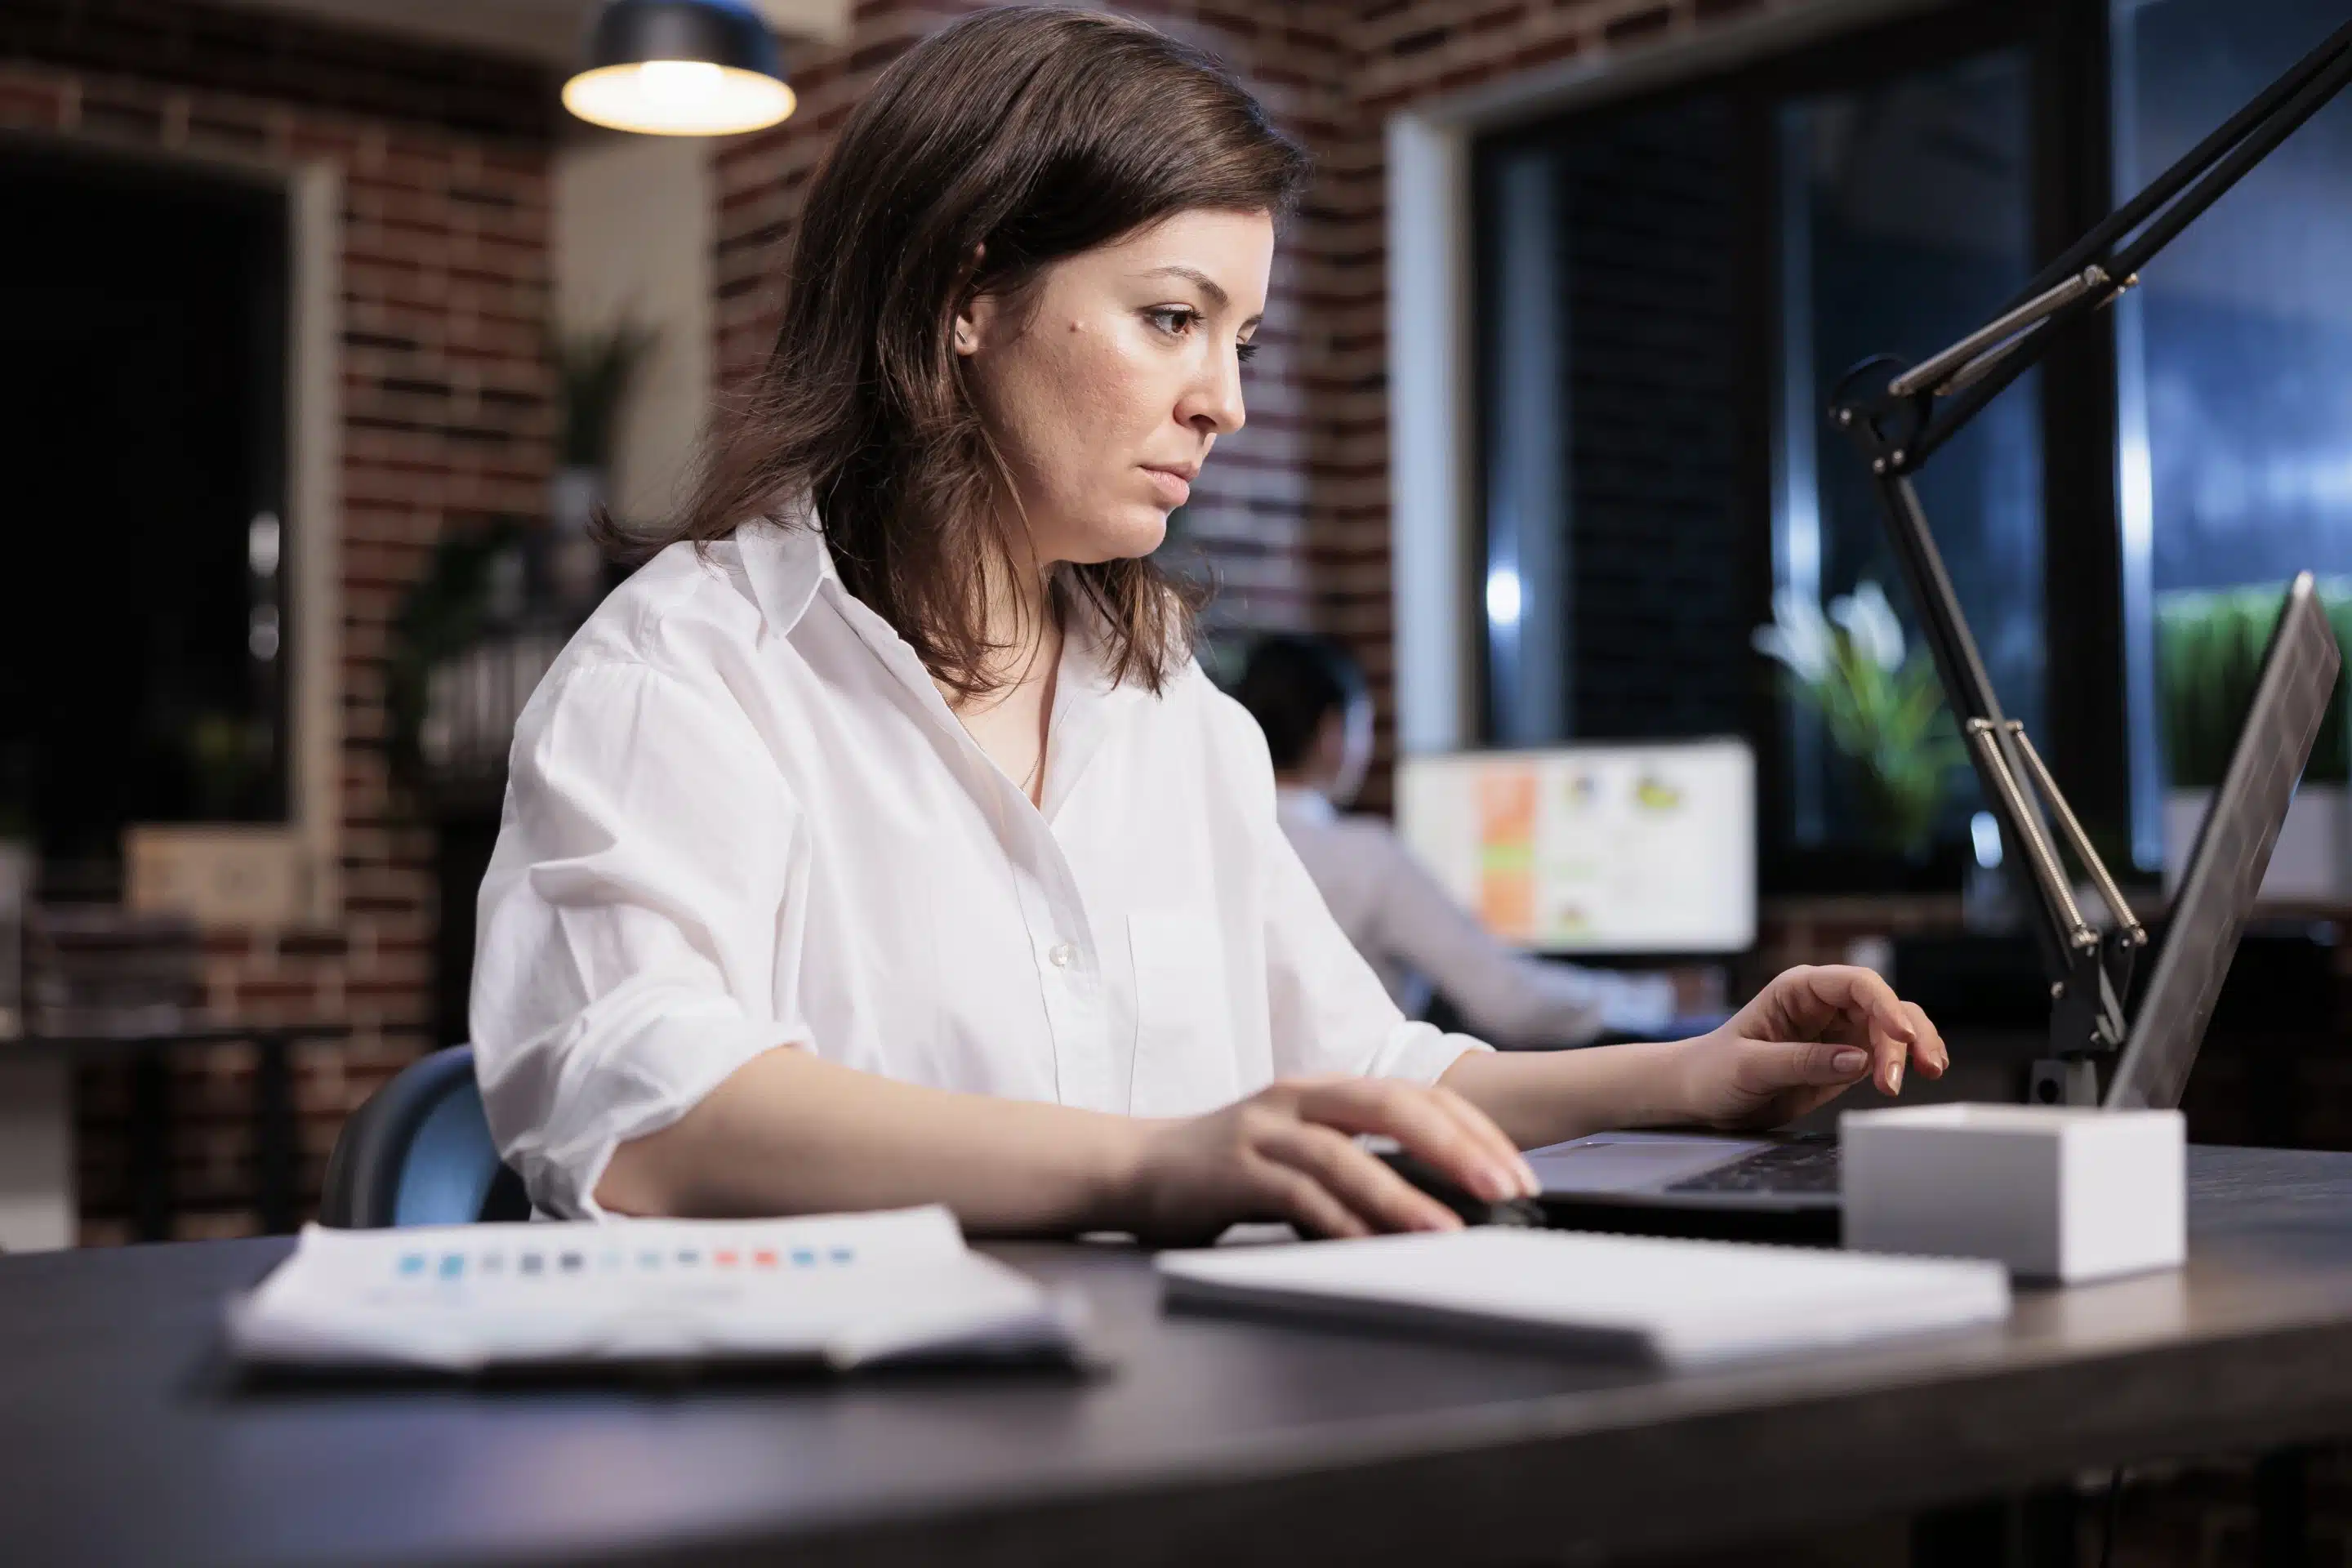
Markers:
point(1017, 136)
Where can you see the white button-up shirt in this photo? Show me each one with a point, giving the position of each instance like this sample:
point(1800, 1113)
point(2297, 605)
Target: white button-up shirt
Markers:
point(740, 816)
point(1415, 935)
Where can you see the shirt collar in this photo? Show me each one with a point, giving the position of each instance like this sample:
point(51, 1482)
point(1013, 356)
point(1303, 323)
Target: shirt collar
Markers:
point(789, 563)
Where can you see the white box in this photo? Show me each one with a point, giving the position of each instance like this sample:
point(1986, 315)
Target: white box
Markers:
point(2062, 1192)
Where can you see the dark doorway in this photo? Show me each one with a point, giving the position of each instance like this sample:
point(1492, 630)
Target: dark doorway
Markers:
point(142, 313)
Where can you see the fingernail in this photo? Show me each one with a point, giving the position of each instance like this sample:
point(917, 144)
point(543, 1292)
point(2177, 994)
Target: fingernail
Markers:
point(1500, 1183)
point(1849, 1061)
point(1895, 1076)
point(1528, 1183)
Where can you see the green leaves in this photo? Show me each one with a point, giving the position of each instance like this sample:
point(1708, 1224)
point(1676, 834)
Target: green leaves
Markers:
point(2209, 644)
point(1882, 706)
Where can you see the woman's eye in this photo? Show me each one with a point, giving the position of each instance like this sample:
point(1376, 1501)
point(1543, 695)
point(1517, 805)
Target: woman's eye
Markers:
point(1245, 351)
point(1173, 320)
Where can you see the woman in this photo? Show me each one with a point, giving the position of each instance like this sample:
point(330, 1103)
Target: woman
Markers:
point(878, 843)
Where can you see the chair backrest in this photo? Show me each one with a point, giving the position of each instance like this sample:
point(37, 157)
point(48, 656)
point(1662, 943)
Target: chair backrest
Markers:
point(420, 1153)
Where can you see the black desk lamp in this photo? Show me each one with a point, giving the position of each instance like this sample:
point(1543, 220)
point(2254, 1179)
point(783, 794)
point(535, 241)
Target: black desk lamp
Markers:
point(1901, 416)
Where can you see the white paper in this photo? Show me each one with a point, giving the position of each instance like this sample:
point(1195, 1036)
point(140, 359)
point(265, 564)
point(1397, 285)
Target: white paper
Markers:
point(1681, 1303)
point(841, 1290)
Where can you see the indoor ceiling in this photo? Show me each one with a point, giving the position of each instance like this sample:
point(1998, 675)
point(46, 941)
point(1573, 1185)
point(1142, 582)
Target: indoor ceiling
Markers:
point(549, 30)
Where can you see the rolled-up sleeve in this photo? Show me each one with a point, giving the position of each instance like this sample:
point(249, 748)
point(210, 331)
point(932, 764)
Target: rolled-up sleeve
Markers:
point(627, 945)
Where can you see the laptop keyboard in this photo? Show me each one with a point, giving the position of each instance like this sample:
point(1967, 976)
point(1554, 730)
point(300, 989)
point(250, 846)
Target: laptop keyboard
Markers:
point(1804, 1166)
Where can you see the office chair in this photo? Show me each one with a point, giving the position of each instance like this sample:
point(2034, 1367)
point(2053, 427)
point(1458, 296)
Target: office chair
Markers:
point(419, 1153)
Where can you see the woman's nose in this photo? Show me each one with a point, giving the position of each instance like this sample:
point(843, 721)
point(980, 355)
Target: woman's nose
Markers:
point(1214, 405)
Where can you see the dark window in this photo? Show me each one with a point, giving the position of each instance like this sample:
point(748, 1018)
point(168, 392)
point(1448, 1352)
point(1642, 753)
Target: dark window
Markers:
point(140, 431)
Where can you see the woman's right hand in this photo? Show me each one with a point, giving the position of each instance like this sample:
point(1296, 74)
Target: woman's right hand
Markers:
point(1288, 1152)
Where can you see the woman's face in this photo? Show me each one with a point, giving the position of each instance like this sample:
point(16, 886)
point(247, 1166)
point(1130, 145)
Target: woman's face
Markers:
point(1106, 385)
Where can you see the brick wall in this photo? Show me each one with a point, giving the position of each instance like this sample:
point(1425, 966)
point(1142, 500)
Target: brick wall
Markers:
point(446, 421)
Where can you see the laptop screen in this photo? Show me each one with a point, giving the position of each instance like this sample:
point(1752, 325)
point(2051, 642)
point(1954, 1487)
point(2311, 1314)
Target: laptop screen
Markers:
point(2233, 850)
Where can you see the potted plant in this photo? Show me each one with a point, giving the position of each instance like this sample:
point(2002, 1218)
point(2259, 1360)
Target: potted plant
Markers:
point(475, 634)
point(1880, 703)
point(2210, 646)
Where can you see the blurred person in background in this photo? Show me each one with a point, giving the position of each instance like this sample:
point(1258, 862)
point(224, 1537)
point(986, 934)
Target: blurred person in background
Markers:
point(1308, 695)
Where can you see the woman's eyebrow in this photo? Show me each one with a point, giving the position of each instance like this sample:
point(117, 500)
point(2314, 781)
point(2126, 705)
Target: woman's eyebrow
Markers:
point(1199, 279)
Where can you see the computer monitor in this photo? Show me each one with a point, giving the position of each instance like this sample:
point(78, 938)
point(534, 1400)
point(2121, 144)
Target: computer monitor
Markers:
point(1634, 849)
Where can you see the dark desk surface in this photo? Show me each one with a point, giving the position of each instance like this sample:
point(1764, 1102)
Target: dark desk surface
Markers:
point(1212, 1441)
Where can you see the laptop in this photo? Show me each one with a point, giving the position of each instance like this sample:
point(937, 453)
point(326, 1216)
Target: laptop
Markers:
point(1785, 1188)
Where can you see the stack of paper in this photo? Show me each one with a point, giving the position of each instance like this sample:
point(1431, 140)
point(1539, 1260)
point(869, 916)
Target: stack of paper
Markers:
point(838, 1290)
point(1676, 1304)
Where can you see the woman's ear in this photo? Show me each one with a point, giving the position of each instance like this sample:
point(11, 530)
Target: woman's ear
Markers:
point(979, 323)
point(972, 319)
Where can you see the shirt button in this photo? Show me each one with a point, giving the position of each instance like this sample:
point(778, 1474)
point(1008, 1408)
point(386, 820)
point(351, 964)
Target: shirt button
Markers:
point(1061, 956)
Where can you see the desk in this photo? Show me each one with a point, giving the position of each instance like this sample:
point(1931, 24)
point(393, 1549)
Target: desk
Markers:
point(1212, 1441)
point(274, 1128)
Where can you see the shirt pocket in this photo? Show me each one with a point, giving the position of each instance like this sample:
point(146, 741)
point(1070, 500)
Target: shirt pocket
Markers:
point(1184, 1060)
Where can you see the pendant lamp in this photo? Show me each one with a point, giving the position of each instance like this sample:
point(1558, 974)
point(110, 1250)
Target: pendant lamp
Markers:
point(680, 68)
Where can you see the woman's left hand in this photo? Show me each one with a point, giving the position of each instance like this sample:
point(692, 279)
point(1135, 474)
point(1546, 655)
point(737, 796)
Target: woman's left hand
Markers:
point(1809, 1037)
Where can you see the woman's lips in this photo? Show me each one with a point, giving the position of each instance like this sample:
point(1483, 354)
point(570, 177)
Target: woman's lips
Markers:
point(1172, 486)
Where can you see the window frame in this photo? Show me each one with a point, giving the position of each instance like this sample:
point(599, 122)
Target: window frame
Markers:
point(297, 853)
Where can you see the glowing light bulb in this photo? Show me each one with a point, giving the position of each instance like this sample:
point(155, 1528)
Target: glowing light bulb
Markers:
point(678, 98)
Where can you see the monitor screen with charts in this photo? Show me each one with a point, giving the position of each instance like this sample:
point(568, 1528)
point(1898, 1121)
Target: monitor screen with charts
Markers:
point(1638, 848)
